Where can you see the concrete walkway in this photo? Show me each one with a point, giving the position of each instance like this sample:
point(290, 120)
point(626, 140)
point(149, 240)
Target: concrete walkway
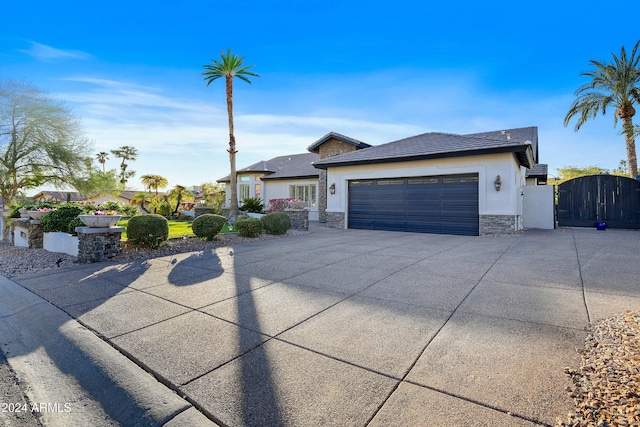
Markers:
point(338, 327)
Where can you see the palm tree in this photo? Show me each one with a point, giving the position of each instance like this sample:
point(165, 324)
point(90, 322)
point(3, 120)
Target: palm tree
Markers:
point(140, 199)
point(154, 182)
point(231, 66)
point(126, 152)
point(615, 84)
point(102, 158)
point(180, 193)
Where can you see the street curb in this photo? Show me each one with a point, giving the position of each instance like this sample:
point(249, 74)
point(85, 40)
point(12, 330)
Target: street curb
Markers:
point(74, 378)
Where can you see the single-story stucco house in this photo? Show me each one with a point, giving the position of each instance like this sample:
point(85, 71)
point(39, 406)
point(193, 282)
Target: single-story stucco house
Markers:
point(434, 182)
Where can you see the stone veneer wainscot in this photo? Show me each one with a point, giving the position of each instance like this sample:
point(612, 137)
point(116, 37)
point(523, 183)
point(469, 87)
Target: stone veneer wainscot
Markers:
point(335, 220)
point(498, 224)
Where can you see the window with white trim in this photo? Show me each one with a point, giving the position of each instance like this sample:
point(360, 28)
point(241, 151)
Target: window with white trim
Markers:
point(304, 192)
point(244, 192)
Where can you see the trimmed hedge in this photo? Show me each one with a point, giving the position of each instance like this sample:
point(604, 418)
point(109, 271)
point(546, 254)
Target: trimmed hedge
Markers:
point(151, 230)
point(208, 225)
point(276, 223)
point(64, 219)
point(249, 227)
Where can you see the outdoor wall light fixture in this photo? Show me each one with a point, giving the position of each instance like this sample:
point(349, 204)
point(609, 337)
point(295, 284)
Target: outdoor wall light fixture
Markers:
point(332, 189)
point(497, 183)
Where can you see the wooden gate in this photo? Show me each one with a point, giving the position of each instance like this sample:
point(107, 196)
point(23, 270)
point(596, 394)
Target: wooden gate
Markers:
point(613, 199)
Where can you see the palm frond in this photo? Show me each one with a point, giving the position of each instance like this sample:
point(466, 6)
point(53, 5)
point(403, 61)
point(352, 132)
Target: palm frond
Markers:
point(229, 65)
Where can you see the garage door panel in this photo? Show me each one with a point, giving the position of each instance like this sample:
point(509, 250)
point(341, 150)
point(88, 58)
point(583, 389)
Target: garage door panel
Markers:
point(437, 204)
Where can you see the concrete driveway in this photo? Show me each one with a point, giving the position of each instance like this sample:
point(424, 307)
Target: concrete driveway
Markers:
point(338, 327)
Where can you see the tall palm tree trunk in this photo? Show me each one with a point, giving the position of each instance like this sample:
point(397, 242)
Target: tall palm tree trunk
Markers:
point(627, 129)
point(233, 207)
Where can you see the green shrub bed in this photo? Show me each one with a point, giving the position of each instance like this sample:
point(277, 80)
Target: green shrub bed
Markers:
point(276, 223)
point(207, 226)
point(249, 227)
point(150, 230)
point(64, 219)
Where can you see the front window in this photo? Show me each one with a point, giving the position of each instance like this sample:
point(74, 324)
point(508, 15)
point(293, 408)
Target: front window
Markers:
point(306, 193)
point(244, 192)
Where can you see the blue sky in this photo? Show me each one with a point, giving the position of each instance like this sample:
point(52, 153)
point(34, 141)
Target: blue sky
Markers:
point(375, 71)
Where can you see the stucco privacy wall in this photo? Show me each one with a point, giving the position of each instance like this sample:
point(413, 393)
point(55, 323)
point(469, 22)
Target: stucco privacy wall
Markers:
point(499, 204)
point(538, 207)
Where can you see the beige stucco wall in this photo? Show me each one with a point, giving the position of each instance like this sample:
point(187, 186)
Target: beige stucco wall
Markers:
point(508, 201)
point(279, 189)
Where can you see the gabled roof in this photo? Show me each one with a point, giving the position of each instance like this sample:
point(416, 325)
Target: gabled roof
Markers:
point(436, 145)
point(517, 134)
point(314, 148)
point(291, 166)
point(540, 170)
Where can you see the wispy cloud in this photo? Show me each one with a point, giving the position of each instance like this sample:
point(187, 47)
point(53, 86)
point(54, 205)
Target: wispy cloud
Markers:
point(47, 53)
point(184, 137)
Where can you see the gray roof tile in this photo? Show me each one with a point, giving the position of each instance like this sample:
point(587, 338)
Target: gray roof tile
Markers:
point(283, 167)
point(538, 171)
point(437, 145)
point(517, 134)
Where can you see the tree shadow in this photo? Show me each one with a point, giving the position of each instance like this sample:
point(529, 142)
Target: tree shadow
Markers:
point(28, 325)
point(197, 267)
point(260, 404)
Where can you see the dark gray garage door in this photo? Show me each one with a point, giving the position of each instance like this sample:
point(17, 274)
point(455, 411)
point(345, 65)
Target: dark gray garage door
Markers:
point(446, 204)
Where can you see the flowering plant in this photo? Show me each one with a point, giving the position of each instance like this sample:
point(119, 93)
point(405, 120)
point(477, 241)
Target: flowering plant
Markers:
point(279, 205)
point(110, 213)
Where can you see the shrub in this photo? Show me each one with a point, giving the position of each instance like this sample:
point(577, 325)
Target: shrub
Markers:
point(122, 208)
point(64, 219)
point(151, 230)
point(279, 205)
point(250, 227)
point(77, 222)
point(253, 205)
point(207, 226)
point(162, 207)
point(276, 223)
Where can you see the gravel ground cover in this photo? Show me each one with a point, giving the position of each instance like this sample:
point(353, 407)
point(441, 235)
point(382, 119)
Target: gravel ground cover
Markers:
point(606, 386)
point(19, 261)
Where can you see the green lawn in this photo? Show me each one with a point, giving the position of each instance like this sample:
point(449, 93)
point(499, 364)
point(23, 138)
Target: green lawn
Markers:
point(176, 228)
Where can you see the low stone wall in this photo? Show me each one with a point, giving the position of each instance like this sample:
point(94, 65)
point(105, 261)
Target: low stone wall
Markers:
point(498, 224)
point(27, 234)
point(201, 210)
point(335, 219)
point(299, 218)
point(98, 244)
